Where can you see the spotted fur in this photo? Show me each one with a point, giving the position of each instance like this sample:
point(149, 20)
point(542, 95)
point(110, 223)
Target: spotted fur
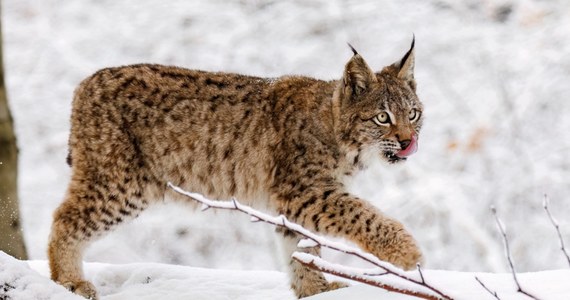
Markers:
point(285, 145)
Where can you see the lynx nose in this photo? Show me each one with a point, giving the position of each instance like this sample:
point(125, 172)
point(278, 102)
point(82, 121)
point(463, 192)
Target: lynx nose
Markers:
point(409, 147)
point(404, 144)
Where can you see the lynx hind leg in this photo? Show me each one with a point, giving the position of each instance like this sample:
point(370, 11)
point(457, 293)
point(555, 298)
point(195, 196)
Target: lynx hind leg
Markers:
point(90, 209)
point(305, 282)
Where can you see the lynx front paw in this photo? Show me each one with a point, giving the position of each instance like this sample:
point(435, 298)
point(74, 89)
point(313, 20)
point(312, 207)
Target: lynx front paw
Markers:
point(82, 288)
point(403, 251)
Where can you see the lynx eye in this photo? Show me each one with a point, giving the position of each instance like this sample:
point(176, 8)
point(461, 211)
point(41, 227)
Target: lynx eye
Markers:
point(382, 119)
point(414, 115)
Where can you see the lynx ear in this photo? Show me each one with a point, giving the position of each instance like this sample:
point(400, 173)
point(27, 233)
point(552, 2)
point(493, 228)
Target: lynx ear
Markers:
point(405, 66)
point(357, 75)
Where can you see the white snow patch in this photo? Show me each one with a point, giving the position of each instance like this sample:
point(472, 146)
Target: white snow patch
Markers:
point(19, 282)
point(29, 280)
point(307, 243)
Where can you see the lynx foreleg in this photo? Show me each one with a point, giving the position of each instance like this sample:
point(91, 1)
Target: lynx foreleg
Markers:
point(331, 211)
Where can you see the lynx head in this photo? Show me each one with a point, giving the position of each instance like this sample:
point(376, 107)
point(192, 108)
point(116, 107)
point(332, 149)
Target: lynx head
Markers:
point(378, 114)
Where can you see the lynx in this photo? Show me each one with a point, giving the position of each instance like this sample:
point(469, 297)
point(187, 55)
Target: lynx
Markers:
point(286, 145)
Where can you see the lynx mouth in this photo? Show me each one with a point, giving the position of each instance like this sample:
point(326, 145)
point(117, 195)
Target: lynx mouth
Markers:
point(410, 148)
point(391, 157)
point(395, 156)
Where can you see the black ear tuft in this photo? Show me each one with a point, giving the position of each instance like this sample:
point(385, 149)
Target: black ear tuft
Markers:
point(406, 66)
point(405, 58)
point(352, 48)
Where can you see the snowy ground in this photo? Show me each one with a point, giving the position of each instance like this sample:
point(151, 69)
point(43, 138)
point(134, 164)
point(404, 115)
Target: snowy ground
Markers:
point(144, 281)
point(160, 281)
point(493, 76)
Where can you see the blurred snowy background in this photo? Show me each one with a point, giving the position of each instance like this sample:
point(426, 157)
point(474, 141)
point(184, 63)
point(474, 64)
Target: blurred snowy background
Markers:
point(494, 76)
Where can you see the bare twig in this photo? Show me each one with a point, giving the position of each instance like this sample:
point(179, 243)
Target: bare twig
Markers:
point(556, 226)
point(487, 289)
point(420, 271)
point(281, 221)
point(508, 253)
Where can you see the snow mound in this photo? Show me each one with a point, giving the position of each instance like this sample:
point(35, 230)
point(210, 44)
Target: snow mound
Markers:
point(20, 280)
point(463, 285)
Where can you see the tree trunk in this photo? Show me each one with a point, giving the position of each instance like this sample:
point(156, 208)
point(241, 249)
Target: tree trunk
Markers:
point(11, 236)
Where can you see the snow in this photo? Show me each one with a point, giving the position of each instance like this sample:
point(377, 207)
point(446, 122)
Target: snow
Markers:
point(18, 281)
point(493, 76)
point(144, 281)
point(462, 285)
point(161, 281)
point(307, 243)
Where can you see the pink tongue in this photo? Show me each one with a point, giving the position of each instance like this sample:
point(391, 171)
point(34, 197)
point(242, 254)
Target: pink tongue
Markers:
point(411, 149)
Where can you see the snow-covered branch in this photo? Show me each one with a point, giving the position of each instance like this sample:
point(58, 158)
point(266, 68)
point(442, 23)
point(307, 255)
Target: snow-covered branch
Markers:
point(409, 285)
point(368, 276)
point(556, 226)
